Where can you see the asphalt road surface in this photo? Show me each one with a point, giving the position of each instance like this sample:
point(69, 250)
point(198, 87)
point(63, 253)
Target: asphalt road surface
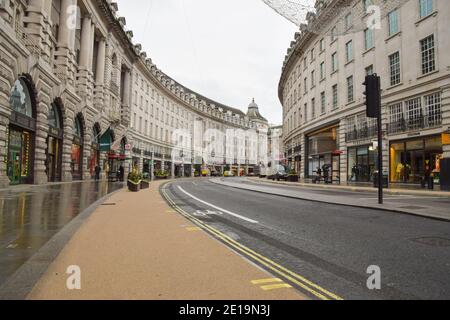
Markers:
point(323, 247)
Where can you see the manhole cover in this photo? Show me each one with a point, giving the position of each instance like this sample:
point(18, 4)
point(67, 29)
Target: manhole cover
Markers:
point(412, 208)
point(434, 242)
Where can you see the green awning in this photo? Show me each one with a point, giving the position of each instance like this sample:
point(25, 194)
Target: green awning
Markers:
point(106, 141)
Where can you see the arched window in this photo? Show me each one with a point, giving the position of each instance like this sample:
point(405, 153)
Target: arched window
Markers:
point(53, 117)
point(77, 128)
point(20, 100)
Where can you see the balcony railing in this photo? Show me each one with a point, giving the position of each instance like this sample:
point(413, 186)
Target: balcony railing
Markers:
point(362, 133)
point(415, 124)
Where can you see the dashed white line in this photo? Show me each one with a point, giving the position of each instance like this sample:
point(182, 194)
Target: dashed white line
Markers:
point(218, 208)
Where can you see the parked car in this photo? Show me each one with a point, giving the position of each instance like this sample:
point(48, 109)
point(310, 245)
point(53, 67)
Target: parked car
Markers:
point(278, 174)
point(215, 174)
point(228, 174)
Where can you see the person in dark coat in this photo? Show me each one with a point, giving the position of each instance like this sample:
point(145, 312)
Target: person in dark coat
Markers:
point(97, 172)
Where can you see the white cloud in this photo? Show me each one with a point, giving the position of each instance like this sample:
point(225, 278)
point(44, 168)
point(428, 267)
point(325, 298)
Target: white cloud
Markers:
point(227, 50)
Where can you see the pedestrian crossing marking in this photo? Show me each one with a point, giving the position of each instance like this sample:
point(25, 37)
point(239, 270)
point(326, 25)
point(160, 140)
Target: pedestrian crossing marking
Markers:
point(265, 281)
point(276, 286)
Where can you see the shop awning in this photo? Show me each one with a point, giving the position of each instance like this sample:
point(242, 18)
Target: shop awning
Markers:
point(106, 141)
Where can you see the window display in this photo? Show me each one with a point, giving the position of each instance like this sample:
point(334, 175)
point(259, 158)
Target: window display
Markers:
point(413, 160)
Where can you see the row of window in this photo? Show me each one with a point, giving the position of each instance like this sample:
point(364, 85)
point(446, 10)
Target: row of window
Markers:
point(427, 51)
point(428, 63)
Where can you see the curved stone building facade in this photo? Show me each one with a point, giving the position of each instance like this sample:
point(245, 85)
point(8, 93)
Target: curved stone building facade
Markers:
point(321, 90)
point(77, 93)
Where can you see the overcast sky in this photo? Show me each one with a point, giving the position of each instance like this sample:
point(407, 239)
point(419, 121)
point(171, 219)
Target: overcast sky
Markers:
point(227, 50)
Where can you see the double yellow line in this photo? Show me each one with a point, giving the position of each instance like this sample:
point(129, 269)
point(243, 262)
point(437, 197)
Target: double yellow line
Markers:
point(291, 276)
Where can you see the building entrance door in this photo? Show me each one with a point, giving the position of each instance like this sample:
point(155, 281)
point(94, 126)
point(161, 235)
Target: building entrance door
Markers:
point(14, 166)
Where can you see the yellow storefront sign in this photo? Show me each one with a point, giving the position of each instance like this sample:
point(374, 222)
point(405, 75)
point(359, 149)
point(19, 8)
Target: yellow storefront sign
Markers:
point(446, 139)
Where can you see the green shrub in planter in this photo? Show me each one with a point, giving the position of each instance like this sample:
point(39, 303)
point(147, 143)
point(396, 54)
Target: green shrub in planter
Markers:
point(134, 180)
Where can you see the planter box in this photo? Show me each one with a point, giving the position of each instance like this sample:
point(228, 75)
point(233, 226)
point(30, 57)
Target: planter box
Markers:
point(292, 178)
point(145, 184)
point(134, 187)
point(161, 177)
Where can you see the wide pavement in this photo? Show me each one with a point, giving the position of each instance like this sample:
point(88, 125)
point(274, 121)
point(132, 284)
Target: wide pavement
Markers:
point(136, 246)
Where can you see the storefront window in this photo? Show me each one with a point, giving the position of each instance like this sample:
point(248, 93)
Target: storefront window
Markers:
point(361, 164)
point(321, 146)
point(413, 160)
point(20, 136)
point(77, 150)
point(54, 144)
point(396, 158)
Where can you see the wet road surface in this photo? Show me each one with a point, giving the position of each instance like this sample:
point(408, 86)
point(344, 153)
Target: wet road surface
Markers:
point(31, 215)
point(330, 245)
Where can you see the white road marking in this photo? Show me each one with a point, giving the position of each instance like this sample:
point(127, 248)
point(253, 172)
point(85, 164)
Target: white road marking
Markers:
point(218, 208)
point(194, 183)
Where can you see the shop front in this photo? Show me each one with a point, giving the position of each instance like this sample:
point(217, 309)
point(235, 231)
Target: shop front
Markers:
point(323, 154)
point(414, 159)
point(77, 150)
point(94, 160)
point(362, 163)
point(54, 144)
point(21, 134)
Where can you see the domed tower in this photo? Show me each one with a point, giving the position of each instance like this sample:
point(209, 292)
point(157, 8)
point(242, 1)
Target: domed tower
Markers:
point(253, 112)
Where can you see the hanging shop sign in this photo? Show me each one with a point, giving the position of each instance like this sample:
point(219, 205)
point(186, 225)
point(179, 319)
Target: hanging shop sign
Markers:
point(106, 141)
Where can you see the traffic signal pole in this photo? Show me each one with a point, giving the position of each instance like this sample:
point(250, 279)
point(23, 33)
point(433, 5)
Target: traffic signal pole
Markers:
point(373, 106)
point(380, 157)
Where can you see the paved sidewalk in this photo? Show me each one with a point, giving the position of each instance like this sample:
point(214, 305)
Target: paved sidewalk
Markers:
point(430, 207)
point(136, 247)
point(395, 191)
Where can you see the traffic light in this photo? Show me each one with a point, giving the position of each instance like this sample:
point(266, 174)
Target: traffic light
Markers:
point(373, 95)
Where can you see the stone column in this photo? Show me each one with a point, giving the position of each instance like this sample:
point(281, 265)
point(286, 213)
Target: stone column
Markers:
point(172, 169)
point(40, 157)
point(5, 112)
point(67, 148)
point(65, 56)
point(343, 147)
point(65, 32)
point(38, 27)
point(126, 89)
point(91, 47)
point(101, 60)
point(152, 167)
point(85, 41)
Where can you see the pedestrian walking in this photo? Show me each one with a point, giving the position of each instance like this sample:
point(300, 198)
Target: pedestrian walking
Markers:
point(97, 172)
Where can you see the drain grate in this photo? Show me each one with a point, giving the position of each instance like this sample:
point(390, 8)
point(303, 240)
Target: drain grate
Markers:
point(413, 208)
point(433, 241)
point(108, 204)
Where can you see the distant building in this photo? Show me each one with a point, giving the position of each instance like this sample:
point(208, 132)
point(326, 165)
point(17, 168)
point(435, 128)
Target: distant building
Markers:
point(77, 96)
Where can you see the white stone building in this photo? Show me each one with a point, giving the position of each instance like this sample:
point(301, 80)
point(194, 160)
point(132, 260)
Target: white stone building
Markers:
point(321, 90)
point(77, 93)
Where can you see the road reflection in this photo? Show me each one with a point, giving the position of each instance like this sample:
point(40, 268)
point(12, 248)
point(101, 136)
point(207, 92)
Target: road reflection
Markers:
point(30, 216)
